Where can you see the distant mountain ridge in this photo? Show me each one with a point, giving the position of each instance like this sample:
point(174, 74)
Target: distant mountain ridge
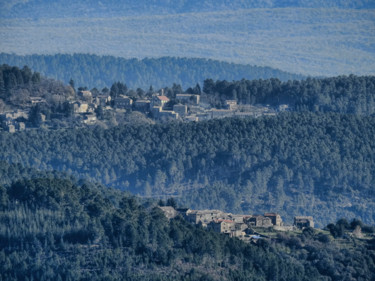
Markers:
point(103, 71)
point(43, 8)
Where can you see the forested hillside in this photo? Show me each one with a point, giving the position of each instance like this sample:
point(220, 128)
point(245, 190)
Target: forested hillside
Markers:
point(19, 85)
point(297, 163)
point(102, 71)
point(57, 229)
point(344, 94)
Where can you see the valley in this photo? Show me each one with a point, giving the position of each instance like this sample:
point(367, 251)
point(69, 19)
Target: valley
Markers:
point(187, 140)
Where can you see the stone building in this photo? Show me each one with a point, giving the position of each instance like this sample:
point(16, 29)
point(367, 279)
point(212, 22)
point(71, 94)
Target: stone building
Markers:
point(85, 96)
point(222, 226)
point(123, 102)
point(258, 221)
point(80, 107)
point(142, 106)
point(221, 113)
point(159, 101)
point(205, 216)
point(275, 218)
point(102, 100)
point(181, 109)
point(231, 104)
point(303, 221)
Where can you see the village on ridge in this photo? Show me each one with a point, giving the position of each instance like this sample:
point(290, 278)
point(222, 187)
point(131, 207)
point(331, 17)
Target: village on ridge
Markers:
point(234, 225)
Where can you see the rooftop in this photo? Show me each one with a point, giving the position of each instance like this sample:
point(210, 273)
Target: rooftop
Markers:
point(163, 98)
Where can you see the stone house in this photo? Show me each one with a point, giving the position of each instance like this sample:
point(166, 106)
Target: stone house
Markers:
point(275, 218)
point(80, 107)
point(245, 114)
point(159, 101)
point(191, 118)
point(142, 106)
point(237, 218)
point(85, 96)
point(90, 119)
point(102, 100)
point(181, 109)
point(221, 113)
point(123, 102)
point(231, 104)
point(205, 216)
point(222, 226)
point(21, 126)
point(9, 116)
point(303, 221)
point(163, 115)
point(258, 221)
point(229, 227)
point(11, 128)
point(282, 107)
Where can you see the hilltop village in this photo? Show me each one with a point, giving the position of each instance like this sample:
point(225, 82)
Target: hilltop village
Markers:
point(241, 226)
point(86, 108)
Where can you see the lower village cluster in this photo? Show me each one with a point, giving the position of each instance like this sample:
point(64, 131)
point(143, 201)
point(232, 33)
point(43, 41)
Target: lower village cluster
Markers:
point(241, 226)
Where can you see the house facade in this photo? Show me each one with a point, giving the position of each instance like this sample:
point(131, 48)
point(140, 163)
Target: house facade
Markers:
point(159, 101)
point(303, 221)
point(258, 221)
point(275, 218)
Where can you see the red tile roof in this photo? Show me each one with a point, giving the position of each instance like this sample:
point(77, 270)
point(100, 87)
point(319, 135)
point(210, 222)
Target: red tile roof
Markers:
point(163, 98)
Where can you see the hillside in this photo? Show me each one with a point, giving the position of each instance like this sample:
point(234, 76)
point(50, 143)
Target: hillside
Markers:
point(102, 71)
point(296, 163)
point(309, 41)
point(58, 229)
point(343, 94)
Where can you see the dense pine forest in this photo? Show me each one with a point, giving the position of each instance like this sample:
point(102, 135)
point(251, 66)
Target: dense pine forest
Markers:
point(187, 140)
point(67, 213)
point(61, 229)
point(295, 163)
point(344, 94)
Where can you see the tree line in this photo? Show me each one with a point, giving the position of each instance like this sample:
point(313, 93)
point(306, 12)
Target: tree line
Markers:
point(102, 71)
point(19, 85)
point(344, 94)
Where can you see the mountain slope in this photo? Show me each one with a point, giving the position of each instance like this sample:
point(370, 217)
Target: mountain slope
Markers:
point(43, 8)
point(95, 71)
point(57, 229)
point(318, 42)
point(295, 164)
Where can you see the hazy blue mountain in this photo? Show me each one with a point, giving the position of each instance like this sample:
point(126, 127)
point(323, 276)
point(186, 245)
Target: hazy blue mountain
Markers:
point(43, 8)
point(310, 41)
point(103, 71)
